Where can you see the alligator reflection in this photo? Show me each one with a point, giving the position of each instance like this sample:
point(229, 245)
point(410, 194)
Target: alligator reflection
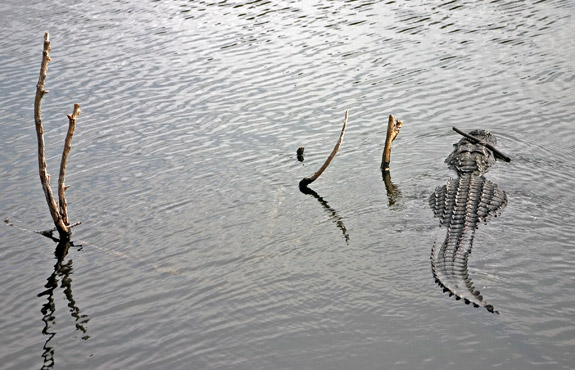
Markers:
point(62, 271)
point(393, 193)
point(332, 212)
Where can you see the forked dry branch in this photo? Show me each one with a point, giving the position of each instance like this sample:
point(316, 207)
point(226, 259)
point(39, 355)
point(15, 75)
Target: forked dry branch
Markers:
point(59, 213)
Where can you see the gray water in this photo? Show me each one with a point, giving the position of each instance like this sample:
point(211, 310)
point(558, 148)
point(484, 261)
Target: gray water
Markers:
point(197, 249)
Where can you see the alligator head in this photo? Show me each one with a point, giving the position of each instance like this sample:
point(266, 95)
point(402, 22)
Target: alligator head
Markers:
point(473, 157)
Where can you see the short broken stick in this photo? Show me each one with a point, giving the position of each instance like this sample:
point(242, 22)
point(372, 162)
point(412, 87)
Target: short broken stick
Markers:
point(308, 180)
point(393, 128)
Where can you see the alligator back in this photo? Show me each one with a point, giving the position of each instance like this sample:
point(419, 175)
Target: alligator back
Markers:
point(461, 205)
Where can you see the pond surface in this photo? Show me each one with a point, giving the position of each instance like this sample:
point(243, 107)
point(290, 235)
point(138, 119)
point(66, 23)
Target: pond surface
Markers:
point(198, 251)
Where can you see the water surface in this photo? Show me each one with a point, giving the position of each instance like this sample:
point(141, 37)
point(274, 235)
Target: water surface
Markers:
point(198, 249)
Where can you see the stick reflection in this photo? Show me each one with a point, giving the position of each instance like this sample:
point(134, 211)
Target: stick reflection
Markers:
point(333, 215)
point(62, 272)
point(393, 193)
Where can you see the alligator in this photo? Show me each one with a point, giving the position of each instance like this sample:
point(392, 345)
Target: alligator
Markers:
point(461, 205)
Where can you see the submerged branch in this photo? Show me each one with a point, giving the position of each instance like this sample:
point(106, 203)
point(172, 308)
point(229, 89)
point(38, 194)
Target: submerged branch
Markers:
point(308, 180)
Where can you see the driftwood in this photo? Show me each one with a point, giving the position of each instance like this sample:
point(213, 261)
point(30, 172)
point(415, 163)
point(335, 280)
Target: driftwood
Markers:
point(59, 213)
point(496, 152)
point(393, 128)
point(308, 180)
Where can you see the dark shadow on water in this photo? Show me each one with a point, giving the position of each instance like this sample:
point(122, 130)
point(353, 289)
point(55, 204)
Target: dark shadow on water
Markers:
point(62, 273)
point(333, 214)
point(393, 193)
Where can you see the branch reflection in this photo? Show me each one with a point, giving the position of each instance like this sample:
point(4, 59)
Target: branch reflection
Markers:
point(333, 215)
point(62, 272)
point(393, 193)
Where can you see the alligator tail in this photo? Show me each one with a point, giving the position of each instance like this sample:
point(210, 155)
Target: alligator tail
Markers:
point(461, 205)
point(451, 274)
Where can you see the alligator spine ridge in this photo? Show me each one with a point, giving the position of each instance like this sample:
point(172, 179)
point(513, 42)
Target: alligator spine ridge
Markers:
point(461, 205)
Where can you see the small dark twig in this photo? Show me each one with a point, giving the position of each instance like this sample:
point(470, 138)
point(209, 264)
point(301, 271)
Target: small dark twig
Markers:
point(299, 153)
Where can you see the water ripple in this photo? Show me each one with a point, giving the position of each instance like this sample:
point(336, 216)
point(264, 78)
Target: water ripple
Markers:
point(197, 239)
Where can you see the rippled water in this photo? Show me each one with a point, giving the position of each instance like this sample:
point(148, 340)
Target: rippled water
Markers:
point(198, 249)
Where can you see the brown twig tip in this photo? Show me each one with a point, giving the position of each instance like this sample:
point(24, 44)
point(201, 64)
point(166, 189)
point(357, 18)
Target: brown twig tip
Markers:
point(308, 180)
point(75, 113)
point(393, 128)
point(47, 46)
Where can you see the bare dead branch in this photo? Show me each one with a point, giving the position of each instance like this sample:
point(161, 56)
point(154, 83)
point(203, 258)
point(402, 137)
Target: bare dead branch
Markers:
point(61, 180)
point(44, 177)
point(393, 128)
point(308, 180)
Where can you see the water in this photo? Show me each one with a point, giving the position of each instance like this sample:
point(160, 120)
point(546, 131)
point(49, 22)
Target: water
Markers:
point(199, 251)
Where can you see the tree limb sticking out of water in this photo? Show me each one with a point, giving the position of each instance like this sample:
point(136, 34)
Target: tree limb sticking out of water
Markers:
point(308, 180)
point(59, 214)
point(393, 128)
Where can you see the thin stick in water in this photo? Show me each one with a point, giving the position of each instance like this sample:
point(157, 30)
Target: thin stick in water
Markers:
point(308, 180)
